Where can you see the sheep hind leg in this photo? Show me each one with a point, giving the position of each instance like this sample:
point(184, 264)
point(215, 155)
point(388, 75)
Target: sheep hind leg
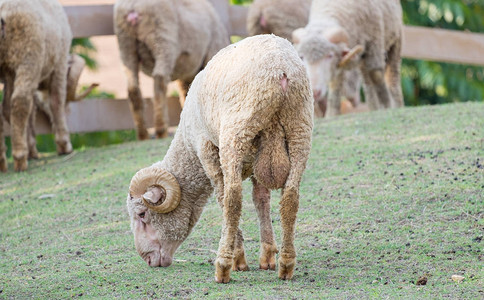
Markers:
point(211, 162)
point(381, 88)
point(231, 153)
point(129, 56)
point(22, 102)
point(371, 97)
point(58, 108)
point(5, 117)
point(182, 90)
point(334, 97)
point(262, 201)
point(31, 141)
point(297, 124)
point(160, 107)
point(392, 75)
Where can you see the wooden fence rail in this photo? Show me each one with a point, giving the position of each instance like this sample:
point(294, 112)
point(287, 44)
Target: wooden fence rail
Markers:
point(104, 115)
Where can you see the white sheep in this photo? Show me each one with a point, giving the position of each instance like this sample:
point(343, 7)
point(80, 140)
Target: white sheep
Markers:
point(249, 113)
point(282, 18)
point(35, 38)
point(167, 40)
point(344, 34)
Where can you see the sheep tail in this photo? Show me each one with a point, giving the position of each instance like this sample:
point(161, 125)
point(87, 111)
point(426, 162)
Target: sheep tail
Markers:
point(272, 164)
point(132, 18)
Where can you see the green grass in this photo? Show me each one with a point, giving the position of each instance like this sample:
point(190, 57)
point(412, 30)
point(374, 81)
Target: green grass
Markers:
point(387, 197)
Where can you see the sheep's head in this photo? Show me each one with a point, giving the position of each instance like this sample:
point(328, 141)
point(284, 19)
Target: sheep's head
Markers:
point(154, 195)
point(325, 53)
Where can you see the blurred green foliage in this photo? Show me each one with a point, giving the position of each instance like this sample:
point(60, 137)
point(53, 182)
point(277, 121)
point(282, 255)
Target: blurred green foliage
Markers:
point(96, 93)
point(86, 49)
point(426, 82)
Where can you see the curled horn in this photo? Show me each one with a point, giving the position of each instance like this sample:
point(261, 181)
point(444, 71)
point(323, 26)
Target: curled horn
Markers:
point(76, 65)
point(159, 178)
point(355, 51)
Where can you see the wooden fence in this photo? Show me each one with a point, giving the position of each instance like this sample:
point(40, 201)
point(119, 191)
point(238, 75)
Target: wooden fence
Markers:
point(104, 115)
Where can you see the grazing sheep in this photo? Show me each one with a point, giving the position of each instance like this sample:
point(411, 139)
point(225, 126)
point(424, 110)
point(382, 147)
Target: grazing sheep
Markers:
point(373, 28)
point(249, 113)
point(168, 40)
point(42, 99)
point(34, 50)
point(282, 18)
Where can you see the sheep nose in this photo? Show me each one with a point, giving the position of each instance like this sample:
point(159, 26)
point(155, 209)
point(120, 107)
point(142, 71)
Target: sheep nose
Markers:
point(165, 261)
point(152, 261)
point(317, 94)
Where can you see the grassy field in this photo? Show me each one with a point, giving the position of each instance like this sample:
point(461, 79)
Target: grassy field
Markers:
point(387, 198)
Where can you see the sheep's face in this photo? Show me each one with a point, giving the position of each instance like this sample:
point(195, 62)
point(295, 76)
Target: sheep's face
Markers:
point(158, 223)
point(326, 56)
point(321, 59)
point(152, 243)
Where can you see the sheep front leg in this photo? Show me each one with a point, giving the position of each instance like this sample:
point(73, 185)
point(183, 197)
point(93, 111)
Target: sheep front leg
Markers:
point(160, 107)
point(335, 92)
point(21, 106)
point(58, 109)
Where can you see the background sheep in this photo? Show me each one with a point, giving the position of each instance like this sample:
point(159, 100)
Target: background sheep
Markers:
point(34, 51)
point(248, 113)
point(42, 99)
point(282, 17)
point(374, 29)
point(168, 40)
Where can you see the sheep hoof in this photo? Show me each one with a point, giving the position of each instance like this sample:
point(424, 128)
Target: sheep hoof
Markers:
point(143, 135)
point(161, 133)
point(33, 154)
point(3, 164)
point(267, 259)
point(286, 267)
point(222, 270)
point(20, 164)
point(64, 147)
point(240, 264)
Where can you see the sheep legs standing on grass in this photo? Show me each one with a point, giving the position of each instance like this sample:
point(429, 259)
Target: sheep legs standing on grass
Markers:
point(167, 40)
point(345, 35)
point(34, 54)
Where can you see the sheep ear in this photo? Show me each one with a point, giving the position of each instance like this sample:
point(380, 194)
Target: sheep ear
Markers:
point(154, 194)
point(297, 35)
point(348, 55)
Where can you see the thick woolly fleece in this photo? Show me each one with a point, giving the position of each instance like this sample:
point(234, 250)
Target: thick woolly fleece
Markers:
point(280, 17)
point(34, 51)
point(249, 112)
point(167, 40)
